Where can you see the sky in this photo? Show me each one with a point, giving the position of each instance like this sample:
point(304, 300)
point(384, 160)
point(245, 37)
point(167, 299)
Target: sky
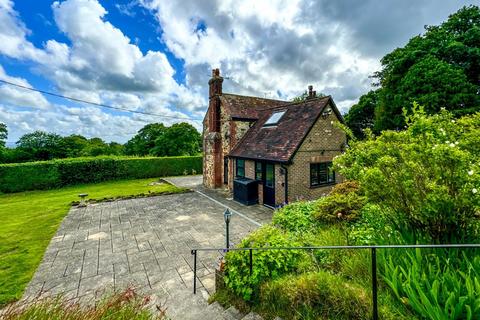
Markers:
point(156, 56)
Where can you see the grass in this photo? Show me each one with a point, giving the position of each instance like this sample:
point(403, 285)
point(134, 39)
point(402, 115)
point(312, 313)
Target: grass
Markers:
point(30, 219)
point(124, 305)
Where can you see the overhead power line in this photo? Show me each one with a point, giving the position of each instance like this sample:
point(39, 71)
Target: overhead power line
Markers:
point(95, 103)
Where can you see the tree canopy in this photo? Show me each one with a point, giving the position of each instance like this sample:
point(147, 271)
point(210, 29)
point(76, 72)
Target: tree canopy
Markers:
point(438, 69)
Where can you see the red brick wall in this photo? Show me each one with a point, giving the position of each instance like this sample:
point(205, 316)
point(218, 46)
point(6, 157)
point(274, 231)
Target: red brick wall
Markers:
point(322, 144)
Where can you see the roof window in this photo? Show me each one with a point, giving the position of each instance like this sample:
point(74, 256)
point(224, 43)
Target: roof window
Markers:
point(274, 118)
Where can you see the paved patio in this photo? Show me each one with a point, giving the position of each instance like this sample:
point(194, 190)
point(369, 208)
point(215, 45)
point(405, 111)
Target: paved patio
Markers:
point(141, 242)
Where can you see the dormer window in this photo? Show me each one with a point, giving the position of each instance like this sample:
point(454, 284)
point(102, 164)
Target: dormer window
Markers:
point(274, 118)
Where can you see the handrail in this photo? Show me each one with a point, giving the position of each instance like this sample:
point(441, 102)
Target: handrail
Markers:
point(412, 246)
point(373, 249)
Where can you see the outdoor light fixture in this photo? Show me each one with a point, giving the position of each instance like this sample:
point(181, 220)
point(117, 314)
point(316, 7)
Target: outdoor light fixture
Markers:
point(227, 216)
point(82, 196)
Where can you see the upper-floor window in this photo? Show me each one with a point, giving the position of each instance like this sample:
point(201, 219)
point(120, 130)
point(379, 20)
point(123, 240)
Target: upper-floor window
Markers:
point(321, 174)
point(274, 118)
point(240, 168)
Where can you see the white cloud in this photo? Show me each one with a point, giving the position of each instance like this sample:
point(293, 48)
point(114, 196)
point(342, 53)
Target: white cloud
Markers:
point(20, 97)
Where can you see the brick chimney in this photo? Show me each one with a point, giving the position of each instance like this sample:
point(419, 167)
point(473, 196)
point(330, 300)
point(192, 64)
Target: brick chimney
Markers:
point(311, 93)
point(215, 83)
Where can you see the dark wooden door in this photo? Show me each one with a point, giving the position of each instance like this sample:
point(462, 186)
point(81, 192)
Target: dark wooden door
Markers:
point(225, 170)
point(269, 185)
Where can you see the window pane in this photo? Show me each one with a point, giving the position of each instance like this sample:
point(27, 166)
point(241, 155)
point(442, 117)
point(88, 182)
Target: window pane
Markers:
point(321, 173)
point(269, 175)
point(274, 118)
point(240, 168)
point(258, 171)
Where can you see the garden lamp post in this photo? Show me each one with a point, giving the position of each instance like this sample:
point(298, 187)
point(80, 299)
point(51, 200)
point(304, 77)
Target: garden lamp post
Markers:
point(227, 216)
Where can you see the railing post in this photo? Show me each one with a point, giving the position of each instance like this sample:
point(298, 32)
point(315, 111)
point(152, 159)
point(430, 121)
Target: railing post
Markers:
point(374, 283)
point(194, 252)
point(251, 261)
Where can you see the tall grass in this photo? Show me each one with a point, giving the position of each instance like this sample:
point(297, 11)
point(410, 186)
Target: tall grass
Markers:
point(127, 305)
point(437, 286)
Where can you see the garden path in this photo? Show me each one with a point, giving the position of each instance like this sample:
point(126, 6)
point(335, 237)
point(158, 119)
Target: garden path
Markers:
point(143, 243)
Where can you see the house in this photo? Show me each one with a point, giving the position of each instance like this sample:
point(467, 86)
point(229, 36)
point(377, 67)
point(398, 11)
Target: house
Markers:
point(288, 147)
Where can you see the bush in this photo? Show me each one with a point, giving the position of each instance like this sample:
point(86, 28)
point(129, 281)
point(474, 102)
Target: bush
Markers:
point(267, 264)
point(295, 217)
point(427, 176)
point(338, 207)
point(58, 173)
point(319, 295)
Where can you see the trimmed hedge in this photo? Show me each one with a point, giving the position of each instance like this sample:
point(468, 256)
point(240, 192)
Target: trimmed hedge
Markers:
point(16, 177)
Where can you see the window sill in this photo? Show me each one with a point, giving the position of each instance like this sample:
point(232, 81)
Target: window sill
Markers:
point(323, 185)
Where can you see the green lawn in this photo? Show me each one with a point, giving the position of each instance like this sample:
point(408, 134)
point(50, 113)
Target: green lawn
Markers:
point(28, 220)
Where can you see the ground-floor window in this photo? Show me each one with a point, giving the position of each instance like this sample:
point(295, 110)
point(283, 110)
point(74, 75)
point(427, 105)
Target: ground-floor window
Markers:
point(258, 170)
point(321, 174)
point(240, 168)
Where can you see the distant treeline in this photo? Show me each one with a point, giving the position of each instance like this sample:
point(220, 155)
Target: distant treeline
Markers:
point(156, 139)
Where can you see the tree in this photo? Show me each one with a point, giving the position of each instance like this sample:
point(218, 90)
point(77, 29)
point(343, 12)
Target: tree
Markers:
point(440, 68)
point(3, 138)
point(361, 115)
point(75, 145)
point(304, 97)
point(181, 139)
point(41, 145)
point(3, 134)
point(143, 142)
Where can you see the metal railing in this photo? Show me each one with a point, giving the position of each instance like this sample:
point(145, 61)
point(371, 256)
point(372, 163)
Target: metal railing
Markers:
point(373, 249)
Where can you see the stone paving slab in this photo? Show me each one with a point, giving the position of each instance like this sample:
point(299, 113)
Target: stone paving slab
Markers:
point(143, 243)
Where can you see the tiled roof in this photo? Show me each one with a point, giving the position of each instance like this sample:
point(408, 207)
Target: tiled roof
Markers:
point(244, 107)
point(279, 143)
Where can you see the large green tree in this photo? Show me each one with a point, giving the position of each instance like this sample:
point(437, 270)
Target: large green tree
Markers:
point(181, 139)
point(40, 145)
point(361, 115)
point(143, 142)
point(438, 69)
point(3, 138)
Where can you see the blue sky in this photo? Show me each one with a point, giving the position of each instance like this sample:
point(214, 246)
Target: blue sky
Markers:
point(155, 56)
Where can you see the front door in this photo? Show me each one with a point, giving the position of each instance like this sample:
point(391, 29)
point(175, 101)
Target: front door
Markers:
point(269, 185)
point(225, 170)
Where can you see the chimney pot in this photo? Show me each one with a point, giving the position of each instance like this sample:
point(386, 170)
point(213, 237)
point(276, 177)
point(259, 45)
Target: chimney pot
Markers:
point(217, 72)
point(314, 93)
point(310, 91)
point(213, 73)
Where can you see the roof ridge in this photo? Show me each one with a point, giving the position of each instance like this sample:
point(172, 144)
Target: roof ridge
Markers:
point(255, 97)
point(298, 102)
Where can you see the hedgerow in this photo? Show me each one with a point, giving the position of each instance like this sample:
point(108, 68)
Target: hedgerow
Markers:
point(42, 175)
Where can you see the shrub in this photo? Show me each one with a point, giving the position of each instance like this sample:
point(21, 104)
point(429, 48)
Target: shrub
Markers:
point(346, 187)
point(267, 264)
point(339, 207)
point(58, 173)
point(319, 295)
point(295, 217)
point(427, 176)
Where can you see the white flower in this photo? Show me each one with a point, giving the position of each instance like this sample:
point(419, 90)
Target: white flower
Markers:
point(452, 145)
point(447, 142)
point(474, 190)
point(453, 121)
point(470, 173)
point(456, 142)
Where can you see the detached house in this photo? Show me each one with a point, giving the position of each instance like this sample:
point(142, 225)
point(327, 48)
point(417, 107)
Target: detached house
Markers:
point(270, 151)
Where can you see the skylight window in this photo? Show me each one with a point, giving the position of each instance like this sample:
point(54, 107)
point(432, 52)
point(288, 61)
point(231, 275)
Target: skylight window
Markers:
point(274, 118)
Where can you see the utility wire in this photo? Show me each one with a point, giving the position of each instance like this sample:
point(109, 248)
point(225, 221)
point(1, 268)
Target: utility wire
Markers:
point(94, 103)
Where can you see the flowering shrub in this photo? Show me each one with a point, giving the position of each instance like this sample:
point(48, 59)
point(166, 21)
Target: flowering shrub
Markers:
point(427, 176)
